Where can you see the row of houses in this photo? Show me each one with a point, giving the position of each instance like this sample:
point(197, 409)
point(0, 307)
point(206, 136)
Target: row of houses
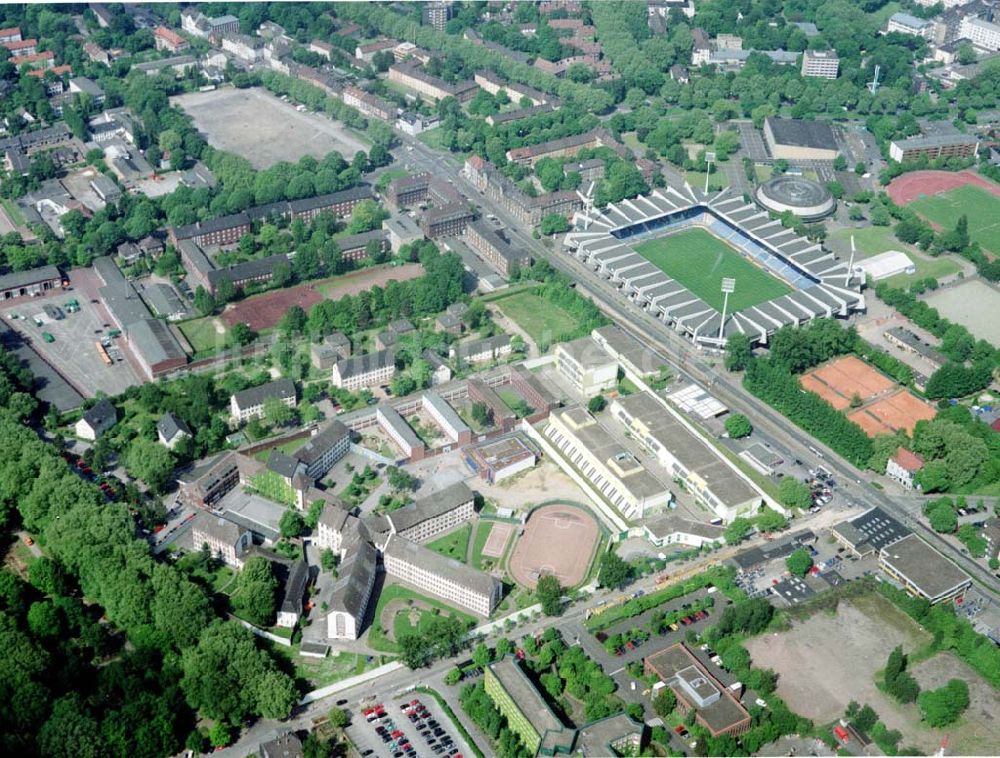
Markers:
point(530, 211)
point(228, 230)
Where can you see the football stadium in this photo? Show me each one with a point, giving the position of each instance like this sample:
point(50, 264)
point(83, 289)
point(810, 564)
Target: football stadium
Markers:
point(669, 252)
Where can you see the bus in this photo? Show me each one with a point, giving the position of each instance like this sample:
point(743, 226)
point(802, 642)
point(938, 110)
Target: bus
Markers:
point(103, 353)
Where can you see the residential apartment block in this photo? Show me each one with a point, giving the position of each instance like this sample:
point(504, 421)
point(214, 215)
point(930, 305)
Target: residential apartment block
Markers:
point(410, 74)
point(370, 105)
point(527, 210)
point(566, 146)
point(903, 467)
point(447, 220)
point(495, 248)
point(822, 64)
point(946, 144)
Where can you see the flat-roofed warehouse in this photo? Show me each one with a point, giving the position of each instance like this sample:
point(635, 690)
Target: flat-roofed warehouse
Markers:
point(794, 139)
point(922, 570)
point(686, 456)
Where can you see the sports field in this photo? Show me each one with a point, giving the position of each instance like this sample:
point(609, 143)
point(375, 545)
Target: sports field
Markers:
point(699, 261)
point(980, 207)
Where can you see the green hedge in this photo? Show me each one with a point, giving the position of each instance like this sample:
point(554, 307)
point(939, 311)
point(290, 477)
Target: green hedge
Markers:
point(454, 719)
point(720, 577)
point(780, 389)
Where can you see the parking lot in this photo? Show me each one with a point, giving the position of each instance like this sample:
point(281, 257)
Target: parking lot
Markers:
point(406, 728)
point(72, 348)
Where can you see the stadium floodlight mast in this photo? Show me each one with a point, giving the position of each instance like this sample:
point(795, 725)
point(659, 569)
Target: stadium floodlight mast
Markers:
point(709, 160)
point(728, 285)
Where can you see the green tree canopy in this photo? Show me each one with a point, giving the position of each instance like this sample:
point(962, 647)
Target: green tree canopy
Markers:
point(799, 562)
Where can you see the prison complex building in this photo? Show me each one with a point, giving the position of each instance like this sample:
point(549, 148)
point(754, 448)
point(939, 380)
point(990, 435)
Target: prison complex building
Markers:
point(446, 578)
point(686, 456)
point(209, 481)
point(612, 470)
point(364, 370)
point(434, 514)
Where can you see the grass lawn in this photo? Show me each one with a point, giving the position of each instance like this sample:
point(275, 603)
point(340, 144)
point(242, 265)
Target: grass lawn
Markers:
point(13, 212)
point(540, 318)
point(432, 138)
point(320, 672)
point(453, 545)
point(377, 639)
point(202, 334)
point(387, 177)
point(718, 180)
point(512, 400)
point(631, 140)
point(482, 534)
point(699, 261)
point(285, 447)
point(982, 209)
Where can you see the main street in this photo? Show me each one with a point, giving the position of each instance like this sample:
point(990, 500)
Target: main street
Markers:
point(687, 360)
point(388, 686)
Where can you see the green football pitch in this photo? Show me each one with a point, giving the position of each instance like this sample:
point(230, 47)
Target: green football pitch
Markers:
point(700, 261)
point(980, 206)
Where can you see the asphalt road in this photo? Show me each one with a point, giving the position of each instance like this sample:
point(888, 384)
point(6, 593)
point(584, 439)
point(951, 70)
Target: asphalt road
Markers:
point(688, 360)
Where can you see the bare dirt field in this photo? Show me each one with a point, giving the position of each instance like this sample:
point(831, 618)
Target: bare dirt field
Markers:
point(971, 304)
point(546, 481)
point(978, 732)
point(264, 311)
point(264, 129)
point(837, 381)
point(901, 410)
point(558, 540)
point(826, 661)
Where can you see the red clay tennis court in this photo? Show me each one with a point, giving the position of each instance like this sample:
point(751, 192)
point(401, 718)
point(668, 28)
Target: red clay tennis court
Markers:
point(901, 410)
point(836, 382)
point(496, 543)
point(558, 540)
